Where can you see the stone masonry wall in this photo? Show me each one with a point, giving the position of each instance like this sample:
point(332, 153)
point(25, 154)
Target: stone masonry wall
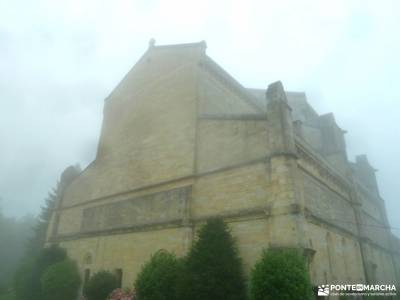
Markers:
point(223, 143)
point(147, 135)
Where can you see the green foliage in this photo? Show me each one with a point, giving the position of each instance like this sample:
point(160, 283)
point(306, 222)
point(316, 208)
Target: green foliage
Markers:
point(158, 278)
point(280, 274)
point(49, 256)
point(27, 280)
point(61, 280)
point(100, 285)
point(213, 269)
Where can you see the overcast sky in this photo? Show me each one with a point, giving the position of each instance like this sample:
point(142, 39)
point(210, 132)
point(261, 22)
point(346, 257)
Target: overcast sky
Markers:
point(60, 59)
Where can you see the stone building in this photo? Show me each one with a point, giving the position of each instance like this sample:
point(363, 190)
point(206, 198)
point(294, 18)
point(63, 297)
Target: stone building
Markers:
point(183, 141)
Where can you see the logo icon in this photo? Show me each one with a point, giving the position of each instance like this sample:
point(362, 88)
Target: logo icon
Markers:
point(323, 290)
point(360, 287)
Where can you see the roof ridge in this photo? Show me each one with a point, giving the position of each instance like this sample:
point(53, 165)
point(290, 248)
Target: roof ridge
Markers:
point(201, 44)
point(209, 63)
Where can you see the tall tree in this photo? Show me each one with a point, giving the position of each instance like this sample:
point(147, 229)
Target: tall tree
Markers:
point(213, 267)
point(53, 198)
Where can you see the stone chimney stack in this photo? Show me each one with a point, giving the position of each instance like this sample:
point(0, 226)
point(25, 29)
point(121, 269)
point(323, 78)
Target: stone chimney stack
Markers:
point(366, 173)
point(283, 163)
point(280, 121)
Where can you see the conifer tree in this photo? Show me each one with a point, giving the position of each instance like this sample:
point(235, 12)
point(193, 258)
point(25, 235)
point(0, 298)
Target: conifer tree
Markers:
point(54, 196)
point(213, 268)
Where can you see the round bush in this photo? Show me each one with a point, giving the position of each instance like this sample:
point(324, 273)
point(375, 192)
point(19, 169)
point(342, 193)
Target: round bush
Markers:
point(61, 281)
point(280, 274)
point(47, 257)
point(100, 285)
point(158, 277)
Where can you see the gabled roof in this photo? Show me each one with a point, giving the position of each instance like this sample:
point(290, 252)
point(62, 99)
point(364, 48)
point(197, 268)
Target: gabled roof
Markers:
point(218, 71)
point(201, 45)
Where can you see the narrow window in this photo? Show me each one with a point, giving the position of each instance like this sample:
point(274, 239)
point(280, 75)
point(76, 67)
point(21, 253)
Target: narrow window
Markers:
point(331, 251)
point(118, 274)
point(86, 277)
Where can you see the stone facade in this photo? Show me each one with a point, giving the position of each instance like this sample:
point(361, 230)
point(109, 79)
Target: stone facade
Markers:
point(183, 141)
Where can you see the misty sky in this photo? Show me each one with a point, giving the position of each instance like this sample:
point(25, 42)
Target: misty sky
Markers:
point(60, 59)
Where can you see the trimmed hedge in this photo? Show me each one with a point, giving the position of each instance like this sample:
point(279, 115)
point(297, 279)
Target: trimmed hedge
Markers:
point(158, 277)
point(280, 274)
point(61, 281)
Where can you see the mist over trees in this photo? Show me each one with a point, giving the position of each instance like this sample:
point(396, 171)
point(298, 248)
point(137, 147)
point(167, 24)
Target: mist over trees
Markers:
point(14, 234)
point(23, 238)
point(40, 230)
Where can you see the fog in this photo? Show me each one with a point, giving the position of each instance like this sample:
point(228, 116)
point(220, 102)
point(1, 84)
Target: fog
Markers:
point(60, 60)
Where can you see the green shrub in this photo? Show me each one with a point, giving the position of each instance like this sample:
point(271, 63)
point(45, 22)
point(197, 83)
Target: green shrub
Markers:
point(61, 280)
point(213, 269)
point(280, 274)
point(158, 278)
point(100, 285)
point(49, 256)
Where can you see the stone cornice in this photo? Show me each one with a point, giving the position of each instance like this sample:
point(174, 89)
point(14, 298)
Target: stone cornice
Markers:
point(230, 216)
point(121, 230)
point(262, 159)
point(375, 219)
point(363, 190)
point(239, 117)
point(312, 218)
